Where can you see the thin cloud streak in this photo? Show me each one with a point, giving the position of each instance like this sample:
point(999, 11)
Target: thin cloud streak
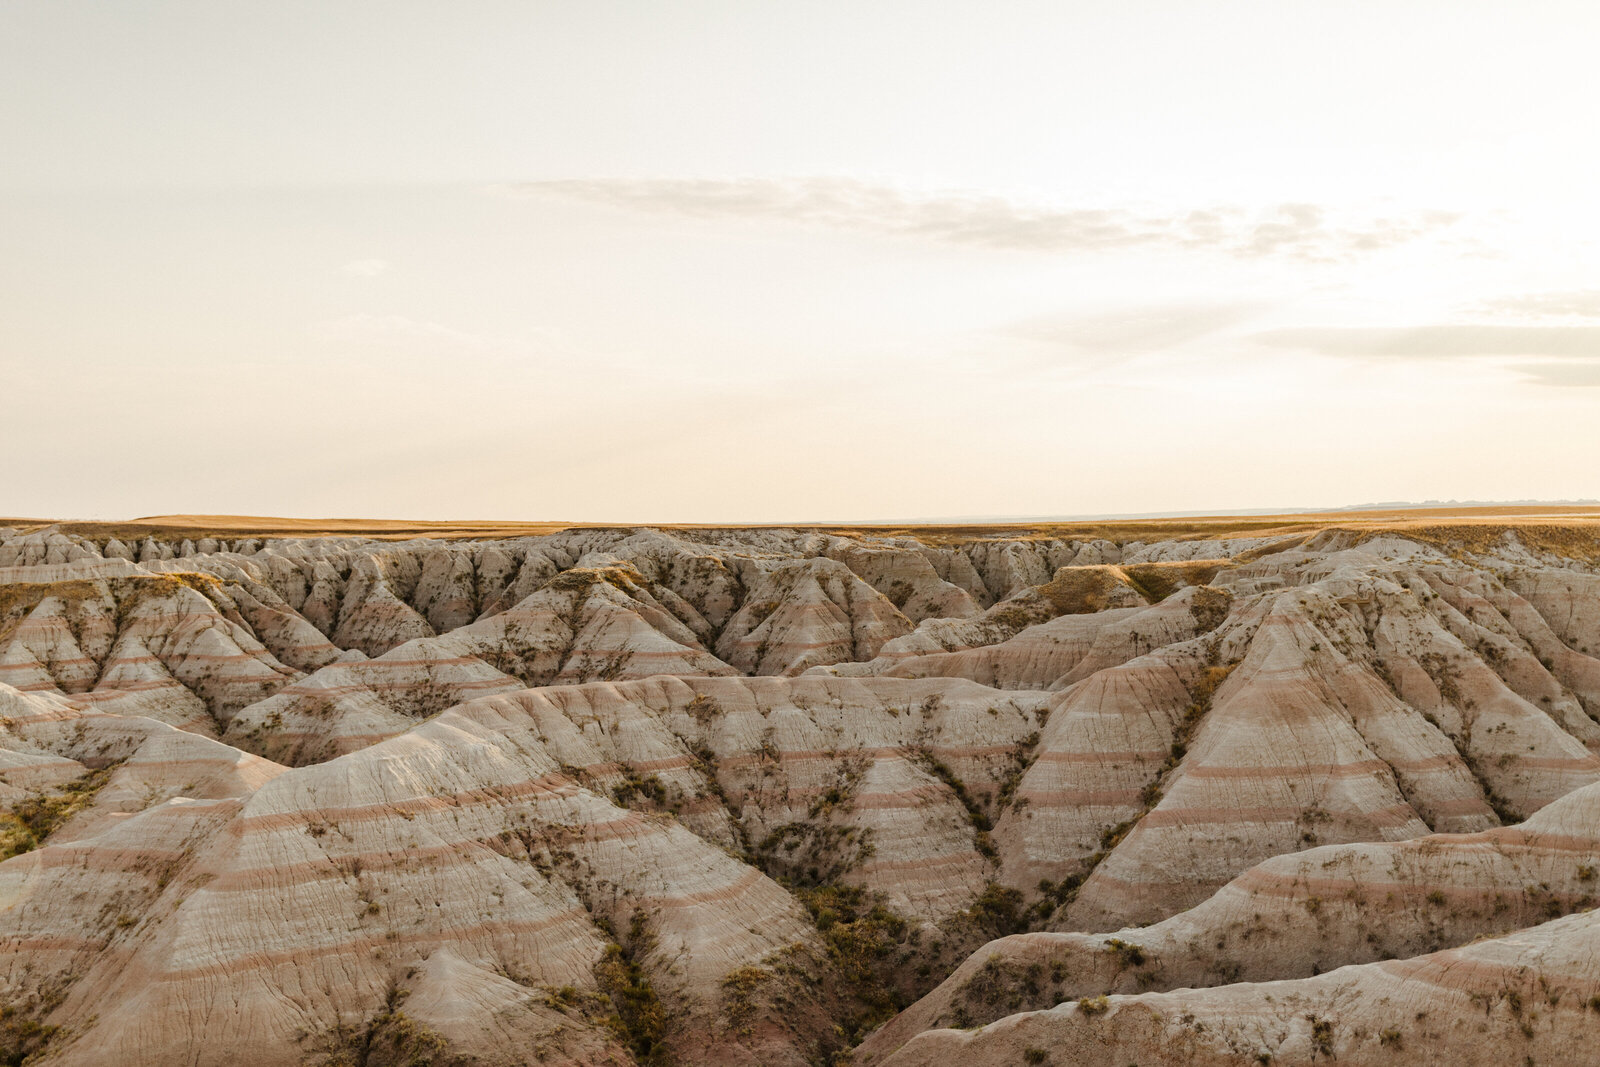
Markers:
point(1441, 341)
point(1562, 356)
point(1576, 302)
point(1578, 374)
point(1303, 231)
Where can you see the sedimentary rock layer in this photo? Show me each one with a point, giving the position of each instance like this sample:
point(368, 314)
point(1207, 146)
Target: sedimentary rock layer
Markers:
point(755, 796)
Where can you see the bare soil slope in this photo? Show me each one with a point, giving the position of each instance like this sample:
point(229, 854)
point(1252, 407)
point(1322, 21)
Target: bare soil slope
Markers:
point(1266, 789)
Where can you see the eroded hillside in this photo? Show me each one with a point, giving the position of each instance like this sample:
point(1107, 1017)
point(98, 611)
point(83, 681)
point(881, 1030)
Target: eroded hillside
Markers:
point(1277, 792)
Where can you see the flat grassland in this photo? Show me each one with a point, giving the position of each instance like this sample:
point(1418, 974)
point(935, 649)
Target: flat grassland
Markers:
point(1552, 524)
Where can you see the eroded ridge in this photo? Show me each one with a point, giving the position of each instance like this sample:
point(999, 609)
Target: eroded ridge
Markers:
point(1276, 795)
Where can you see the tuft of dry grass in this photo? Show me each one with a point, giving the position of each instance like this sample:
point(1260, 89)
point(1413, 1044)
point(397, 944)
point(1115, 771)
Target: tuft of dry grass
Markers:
point(36, 817)
point(1157, 581)
point(1083, 590)
point(1575, 541)
point(20, 598)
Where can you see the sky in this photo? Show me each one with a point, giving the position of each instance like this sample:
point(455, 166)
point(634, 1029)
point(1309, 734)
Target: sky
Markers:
point(759, 262)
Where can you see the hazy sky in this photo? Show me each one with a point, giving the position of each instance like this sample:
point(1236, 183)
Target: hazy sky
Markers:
point(757, 261)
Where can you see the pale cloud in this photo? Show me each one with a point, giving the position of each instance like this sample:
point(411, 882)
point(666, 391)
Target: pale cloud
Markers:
point(1442, 341)
point(1574, 373)
point(366, 268)
point(1583, 303)
point(1306, 231)
point(1543, 355)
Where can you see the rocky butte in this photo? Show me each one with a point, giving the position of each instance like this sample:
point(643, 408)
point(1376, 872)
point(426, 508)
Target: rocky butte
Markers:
point(1264, 790)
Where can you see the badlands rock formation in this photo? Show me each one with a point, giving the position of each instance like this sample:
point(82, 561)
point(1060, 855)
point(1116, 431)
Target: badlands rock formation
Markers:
point(1269, 792)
